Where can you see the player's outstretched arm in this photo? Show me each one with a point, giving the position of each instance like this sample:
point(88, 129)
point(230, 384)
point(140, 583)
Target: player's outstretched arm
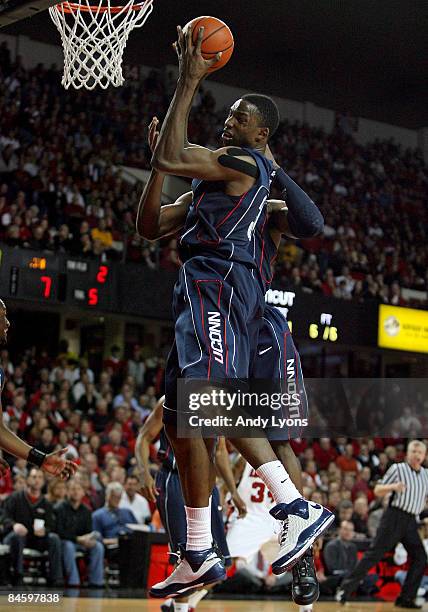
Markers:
point(153, 220)
point(149, 432)
point(304, 219)
point(54, 463)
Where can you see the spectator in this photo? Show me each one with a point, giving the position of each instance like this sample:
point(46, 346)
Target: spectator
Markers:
point(362, 485)
point(324, 453)
point(74, 521)
point(133, 501)
point(360, 516)
point(57, 491)
point(102, 235)
point(101, 418)
point(136, 366)
point(32, 520)
point(111, 521)
point(127, 397)
point(93, 497)
point(114, 446)
point(344, 511)
point(347, 462)
point(340, 558)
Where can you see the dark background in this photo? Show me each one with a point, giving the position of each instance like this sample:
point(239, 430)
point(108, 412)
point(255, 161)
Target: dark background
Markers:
point(366, 57)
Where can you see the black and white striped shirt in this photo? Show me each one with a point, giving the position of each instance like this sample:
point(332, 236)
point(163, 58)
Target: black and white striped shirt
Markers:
point(413, 499)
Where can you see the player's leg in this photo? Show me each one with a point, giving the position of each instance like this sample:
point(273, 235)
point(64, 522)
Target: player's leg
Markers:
point(192, 455)
point(207, 300)
point(305, 587)
point(193, 569)
point(298, 516)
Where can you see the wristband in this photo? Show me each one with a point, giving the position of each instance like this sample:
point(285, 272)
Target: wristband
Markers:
point(36, 457)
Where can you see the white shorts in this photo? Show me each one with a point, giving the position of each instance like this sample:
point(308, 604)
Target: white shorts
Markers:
point(246, 536)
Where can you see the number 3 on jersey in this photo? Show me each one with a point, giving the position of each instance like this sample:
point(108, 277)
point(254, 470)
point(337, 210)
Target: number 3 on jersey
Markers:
point(259, 496)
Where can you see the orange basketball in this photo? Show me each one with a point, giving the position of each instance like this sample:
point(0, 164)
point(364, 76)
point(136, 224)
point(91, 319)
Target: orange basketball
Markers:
point(217, 37)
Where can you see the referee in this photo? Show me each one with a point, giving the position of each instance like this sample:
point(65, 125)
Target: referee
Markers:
point(408, 483)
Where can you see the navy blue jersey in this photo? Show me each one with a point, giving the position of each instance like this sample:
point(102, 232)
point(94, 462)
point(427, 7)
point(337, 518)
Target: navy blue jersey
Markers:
point(222, 225)
point(2, 379)
point(165, 452)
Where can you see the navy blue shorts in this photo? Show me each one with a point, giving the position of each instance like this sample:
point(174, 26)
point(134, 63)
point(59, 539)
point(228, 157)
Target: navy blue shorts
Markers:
point(217, 309)
point(170, 504)
point(277, 359)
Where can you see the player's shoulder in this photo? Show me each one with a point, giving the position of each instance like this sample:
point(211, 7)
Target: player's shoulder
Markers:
point(235, 151)
point(238, 159)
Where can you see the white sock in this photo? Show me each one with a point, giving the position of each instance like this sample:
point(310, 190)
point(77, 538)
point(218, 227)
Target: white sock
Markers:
point(278, 482)
point(196, 597)
point(181, 607)
point(199, 535)
point(308, 608)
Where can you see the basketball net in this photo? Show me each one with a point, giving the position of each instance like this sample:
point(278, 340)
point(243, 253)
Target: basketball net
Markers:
point(94, 39)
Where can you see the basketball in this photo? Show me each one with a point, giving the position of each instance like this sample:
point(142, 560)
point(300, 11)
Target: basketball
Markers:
point(217, 38)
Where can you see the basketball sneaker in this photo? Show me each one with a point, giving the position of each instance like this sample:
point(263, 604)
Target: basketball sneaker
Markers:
point(302, 523)
point(194, 569)
point(305, 588)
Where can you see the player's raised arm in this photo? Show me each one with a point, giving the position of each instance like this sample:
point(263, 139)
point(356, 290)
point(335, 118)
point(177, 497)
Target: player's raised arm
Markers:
point(153, 220)
point(173, 154)
point(149, 432)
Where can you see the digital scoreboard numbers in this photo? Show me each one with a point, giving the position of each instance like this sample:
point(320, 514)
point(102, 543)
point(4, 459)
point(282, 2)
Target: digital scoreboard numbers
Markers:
point(318, 318)
point(325, 329)
point(91, 284)
point(35, 278)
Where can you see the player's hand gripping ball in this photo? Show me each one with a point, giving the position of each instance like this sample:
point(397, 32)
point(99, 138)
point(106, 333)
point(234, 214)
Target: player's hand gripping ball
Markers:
point(217, 38)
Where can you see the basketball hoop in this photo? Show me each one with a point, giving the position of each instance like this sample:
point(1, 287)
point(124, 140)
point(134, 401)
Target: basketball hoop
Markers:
point(94, 38)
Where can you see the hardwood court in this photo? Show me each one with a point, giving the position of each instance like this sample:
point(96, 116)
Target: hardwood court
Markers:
point(74, 604)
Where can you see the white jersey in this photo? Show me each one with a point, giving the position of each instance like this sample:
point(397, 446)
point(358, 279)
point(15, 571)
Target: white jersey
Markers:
point(258, 530)
point(254, 492)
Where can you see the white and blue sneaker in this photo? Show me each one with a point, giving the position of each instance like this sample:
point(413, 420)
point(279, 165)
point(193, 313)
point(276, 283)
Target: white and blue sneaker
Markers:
point(302, 523)
point(194, 569)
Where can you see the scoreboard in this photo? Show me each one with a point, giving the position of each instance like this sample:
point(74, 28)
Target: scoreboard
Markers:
point(57, 279)
point(318, 318)
point(132, 289)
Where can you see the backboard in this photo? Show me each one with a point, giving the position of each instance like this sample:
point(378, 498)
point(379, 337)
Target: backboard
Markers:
point(15, 10)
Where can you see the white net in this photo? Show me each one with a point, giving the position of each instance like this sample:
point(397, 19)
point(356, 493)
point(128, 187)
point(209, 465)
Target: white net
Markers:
point(94, 38)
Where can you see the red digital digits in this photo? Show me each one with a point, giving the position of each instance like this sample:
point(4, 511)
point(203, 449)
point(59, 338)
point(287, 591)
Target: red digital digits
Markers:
point(93, 296)
point(102, 274)
point(47, 281)
point(93, 291)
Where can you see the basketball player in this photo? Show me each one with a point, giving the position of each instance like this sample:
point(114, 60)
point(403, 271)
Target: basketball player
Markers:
point(165, 491)
point(229, 197)
point(53, 463)
point(277, 356)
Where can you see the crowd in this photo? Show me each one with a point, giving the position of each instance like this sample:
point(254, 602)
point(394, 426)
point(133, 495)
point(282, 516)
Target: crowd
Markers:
point(53, 402)
point(60, 187)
